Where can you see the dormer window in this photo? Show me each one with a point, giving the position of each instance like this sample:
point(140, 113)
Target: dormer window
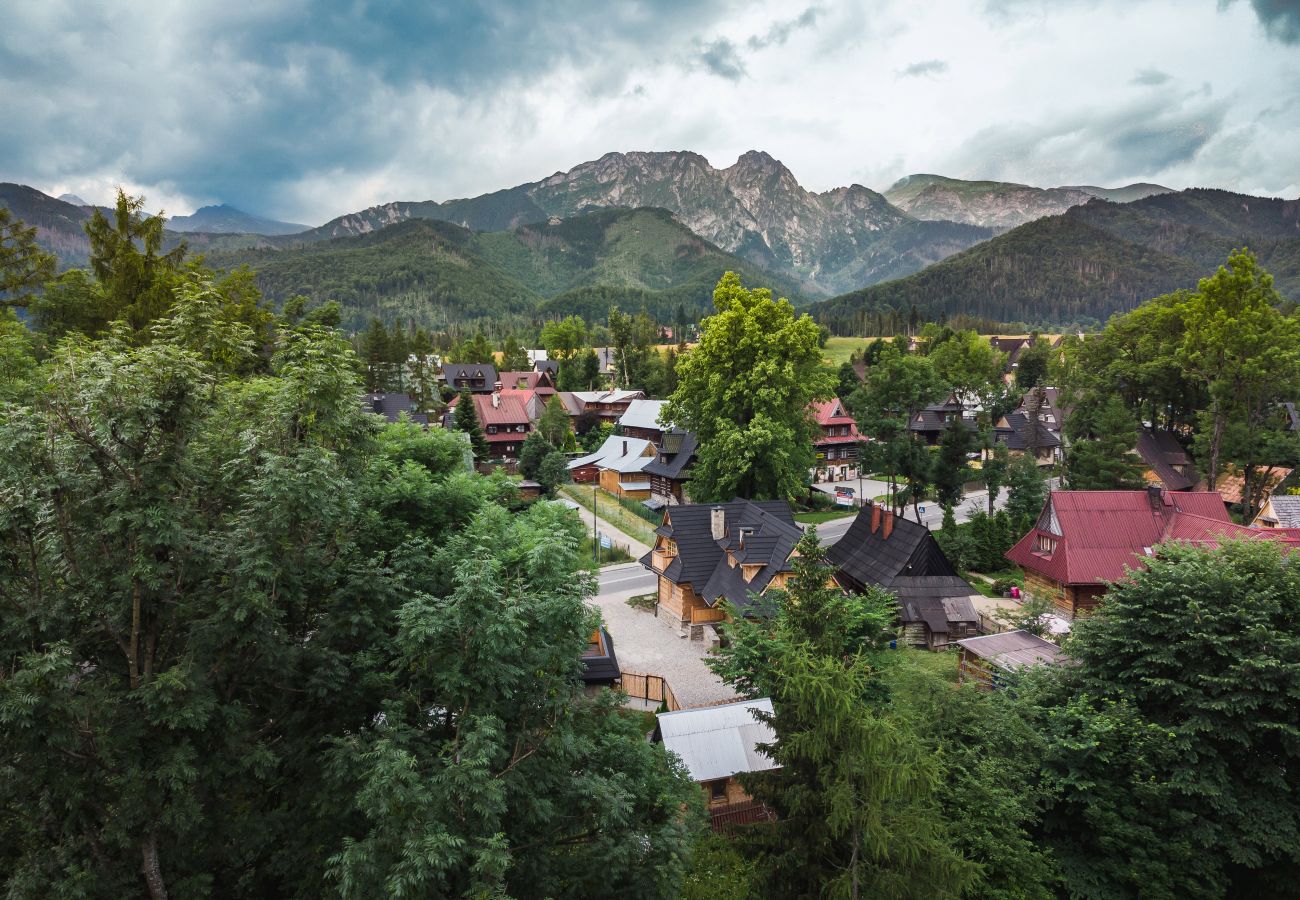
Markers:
point(1045, 544)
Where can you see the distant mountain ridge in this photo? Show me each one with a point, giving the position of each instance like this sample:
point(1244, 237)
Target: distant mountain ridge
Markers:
point(1091, 261)
point(755, 208)
point(224, 219)
point(999, 204)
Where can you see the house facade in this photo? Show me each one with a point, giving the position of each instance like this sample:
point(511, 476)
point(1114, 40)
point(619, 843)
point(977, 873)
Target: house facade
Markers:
point(504, 418)
point(392, 406)
point(930, 422)
point(641, 420)
point(706, 553)
point(885, 550)
point(836, 448)
point(608, 406)
point(1169, 465)
point(618, 465)
point(540, 383)
point(477, 378)
point(671, 469)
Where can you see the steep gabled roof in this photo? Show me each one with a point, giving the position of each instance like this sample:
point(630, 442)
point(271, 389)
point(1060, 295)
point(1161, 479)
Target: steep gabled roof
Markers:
point(1015, 432)
point(719, 741)
point(621, 454)
point(391, 406)
point(1098, 533)
point(642, 413)
point(1162, 452)
point(1286, 510)
point(675, 456)
point(472, 371)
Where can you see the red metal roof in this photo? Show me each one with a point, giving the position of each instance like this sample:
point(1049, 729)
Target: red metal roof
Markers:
point(1099, 533)
point(511, 409)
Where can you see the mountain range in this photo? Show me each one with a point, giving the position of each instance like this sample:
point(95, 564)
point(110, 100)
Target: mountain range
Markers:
point(223, 219)
point(652, 229)
point(1091, 261)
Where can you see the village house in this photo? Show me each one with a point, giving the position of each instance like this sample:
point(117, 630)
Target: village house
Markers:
point(717, 743)
point(540, 383)
point(618, 465)
point(607, 406)
point(1084, 540)
point(1279, 511)
point(641, 420)
point(477, 378)
point(836, 448)
point(885, 550)
point(504, 417)
point(671, 469)
point(930, 422)
point(986, 660)
point(705, 553)
point(1169, 465)
point(1012, 347)
point(1018, 432)
point(392, 406)
point(1231, 485)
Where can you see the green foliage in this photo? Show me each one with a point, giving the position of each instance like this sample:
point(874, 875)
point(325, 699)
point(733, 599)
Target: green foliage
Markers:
point(993, 468)
point(1031, 615)
point(968, 364)
point(465, 419)
point(720, 870)
point(745, 390)
point(981, 543)
point(534, 449)
point(553, 471)
point(553, 424)
point(478, 349)
point(856, 789)
point(847, 381)
point(637, 362)
point(514, 356)
point(592, 440)
point(563, 339)
point(581, 372)
point(951, 468)
point(1105, 461)
point(1031, 365)
point(24, 266)
point(1026, 490)
point(127, 260)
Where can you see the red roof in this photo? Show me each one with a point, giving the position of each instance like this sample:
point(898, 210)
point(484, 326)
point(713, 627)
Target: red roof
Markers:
point(1098, 533)
point(511, 409)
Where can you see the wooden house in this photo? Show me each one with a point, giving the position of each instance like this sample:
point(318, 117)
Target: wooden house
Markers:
point(930, 422)
point(477, 378)
point(618, 465)
point(505, 417)
point(1169, 465)
point(836, 448)
point(641, 420)
point(541, 383)
point(884, 550)
point(606, 406)
point(392, 406)
point(1279, 511)
point(718, 743)
point(671, 469)
point(1084, 540)
point(988, 659)
point(706, 553)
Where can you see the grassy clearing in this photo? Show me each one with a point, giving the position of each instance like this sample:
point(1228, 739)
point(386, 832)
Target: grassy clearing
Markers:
point(824, 515)
point(608, 509)
point(838, 349)
point(942, 663)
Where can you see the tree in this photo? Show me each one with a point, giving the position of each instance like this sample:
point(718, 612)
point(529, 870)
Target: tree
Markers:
point(1174, 747)
point(636, 361)
point(1031, 615)
point(477, 349)
point(514, 357)
point(1026, 490)
point(993, 468)
point(745, 391)
point(951, 468)
point(553, 471)
point(25, 267)
point(564, 339)
point(534, 449)
point(855, 792)
point(1105, 461)
point(969, 364)
point(127, 260)
point(465, 419)
point(580, 372)
point(554, 425)
point(848, 381)
point(241, 651)
point(1031, 365)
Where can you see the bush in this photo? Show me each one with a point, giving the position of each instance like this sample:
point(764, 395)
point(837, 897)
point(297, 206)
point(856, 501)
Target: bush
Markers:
point(1003, 586)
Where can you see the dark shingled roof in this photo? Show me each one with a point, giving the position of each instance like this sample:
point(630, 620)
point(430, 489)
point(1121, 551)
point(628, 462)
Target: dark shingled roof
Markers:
point(1016, 433)
point(471, 371)
point(599, 664)
point(676, 454)
point(391, 406)
point(909, 564)
point(1161, 451)
point(769, 536)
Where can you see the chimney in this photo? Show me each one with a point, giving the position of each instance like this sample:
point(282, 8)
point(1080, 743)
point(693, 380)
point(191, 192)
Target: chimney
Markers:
point(875, 517)
point(496, 385)
point(496, 399)
point(889, 526)
point(718, 523)
point(625, 448)
point(1153, 496)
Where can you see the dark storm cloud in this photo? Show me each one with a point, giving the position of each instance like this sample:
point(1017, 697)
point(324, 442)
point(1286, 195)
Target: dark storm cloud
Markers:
point(925, 68)
point(780, 32)
point(1150, 77)
point(722, 58)
point(1280, 18)
point(1150, 135)
point(237, 103)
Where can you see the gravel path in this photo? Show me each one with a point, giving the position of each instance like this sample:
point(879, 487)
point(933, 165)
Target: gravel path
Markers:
point(644, 644)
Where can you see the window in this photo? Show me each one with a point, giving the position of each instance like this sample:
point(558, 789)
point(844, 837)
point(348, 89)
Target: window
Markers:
point(1045, 544)
point(492, 429)
point(521, 428)
point(718, 789)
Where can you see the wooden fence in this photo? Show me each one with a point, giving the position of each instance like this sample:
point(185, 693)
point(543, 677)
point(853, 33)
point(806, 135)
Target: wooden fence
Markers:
point(726, 819)
point(651, 688)
point(702, 615)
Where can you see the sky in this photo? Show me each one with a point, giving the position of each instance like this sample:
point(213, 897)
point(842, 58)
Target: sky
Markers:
point(303, 111)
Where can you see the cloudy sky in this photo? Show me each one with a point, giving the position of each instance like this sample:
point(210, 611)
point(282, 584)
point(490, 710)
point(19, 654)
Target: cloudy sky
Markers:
point(304, 111)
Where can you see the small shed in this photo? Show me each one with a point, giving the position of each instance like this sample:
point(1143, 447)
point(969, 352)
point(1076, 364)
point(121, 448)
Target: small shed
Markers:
point(599, 664)
point(986, 659)
point(717, 743)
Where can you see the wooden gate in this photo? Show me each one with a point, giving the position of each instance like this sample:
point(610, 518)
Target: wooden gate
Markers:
point(651, 688)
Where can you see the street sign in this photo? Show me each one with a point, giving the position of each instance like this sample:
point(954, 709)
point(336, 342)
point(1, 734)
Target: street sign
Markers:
point(922, 510)
point(605, 542)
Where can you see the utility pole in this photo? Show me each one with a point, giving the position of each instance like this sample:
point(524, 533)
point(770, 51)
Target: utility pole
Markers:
point(595, 522)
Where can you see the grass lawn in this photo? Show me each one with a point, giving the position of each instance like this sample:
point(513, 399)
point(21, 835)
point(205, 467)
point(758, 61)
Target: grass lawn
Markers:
point(609, 556)
point(630, 524)
point(824, 515)
point(838, 349)
point(941, 662)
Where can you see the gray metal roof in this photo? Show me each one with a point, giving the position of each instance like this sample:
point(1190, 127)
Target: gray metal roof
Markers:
point(1012, 650)
point(719, 741)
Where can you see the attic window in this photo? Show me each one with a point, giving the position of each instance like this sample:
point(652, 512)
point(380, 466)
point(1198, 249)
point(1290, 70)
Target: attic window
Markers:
point(1045, 544)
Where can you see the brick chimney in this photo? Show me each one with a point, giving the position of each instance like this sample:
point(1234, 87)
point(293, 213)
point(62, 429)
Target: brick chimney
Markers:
point(889, 526)
point(1153, 497)
point(875, 517)
point(625, 448)
point(718, 523)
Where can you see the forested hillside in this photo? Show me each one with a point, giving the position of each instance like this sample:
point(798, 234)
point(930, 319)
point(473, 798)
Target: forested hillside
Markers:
point(435, 274)
point(1092, 261)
